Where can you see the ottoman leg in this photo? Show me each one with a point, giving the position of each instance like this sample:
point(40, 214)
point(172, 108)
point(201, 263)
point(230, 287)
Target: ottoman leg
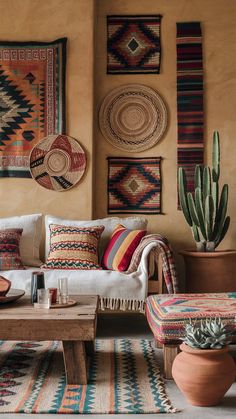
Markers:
point(170, 352)
point(158, 344)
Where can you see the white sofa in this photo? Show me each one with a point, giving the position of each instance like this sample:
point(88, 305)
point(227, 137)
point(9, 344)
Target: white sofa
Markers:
point(116, 290)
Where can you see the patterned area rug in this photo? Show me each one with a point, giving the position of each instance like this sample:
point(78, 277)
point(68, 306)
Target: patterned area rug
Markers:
point(133, 44)
point(134, 185)
point(32, 97)
point(123, 378)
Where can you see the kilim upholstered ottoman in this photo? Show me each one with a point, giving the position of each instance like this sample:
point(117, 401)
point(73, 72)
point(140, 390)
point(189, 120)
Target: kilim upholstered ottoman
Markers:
point(167, 315)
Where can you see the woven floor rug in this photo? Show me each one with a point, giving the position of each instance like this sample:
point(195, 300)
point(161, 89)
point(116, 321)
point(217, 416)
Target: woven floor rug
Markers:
point(123, 378)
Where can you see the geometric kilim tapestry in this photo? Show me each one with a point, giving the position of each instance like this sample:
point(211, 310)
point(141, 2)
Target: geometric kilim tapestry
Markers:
point(32, 98)
point(190, 98)
point(133, 44)
point(134, 185)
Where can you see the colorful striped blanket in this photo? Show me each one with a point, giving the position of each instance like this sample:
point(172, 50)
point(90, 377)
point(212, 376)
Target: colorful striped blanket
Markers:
point(163, 249)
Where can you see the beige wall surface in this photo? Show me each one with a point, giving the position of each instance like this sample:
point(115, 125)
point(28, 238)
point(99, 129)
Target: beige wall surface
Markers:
point(47, 20)
point(218, 19)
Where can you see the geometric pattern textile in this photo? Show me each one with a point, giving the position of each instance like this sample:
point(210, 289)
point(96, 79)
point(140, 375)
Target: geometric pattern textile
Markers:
point(32, 97)
point(9, 249)
point(123, 378)
point(121, 247)
point(163, 250)
point(57, 162)
point(168, 314)
point(73, 247)
point(190, 98)
point(133, 44)
point(134, 185)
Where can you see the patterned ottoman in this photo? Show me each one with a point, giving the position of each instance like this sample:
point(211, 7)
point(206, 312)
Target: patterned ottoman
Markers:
point(167, 315)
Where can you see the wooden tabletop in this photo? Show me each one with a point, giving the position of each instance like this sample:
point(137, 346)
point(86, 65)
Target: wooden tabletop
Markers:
point(86, 307)
point(21, 321)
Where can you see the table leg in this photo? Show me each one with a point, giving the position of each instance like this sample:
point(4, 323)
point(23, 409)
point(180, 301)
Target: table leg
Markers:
point(75, 362)
point(89, 347)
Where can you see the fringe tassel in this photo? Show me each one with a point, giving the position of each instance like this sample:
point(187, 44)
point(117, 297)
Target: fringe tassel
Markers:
point(122, 304)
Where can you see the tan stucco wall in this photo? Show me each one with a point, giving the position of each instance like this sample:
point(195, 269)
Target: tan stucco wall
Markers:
point(48, 20)
point(218, 19)
point(51, 19)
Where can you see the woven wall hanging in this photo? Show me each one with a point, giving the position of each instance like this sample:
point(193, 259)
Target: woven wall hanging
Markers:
point(32, 100)
point(190, 98)
point(133, 117)
point(133, 44)
point(57, 162)
point(134, 185)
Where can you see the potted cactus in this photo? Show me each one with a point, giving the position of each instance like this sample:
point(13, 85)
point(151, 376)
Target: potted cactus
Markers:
point(207, 270)
point(204, 370)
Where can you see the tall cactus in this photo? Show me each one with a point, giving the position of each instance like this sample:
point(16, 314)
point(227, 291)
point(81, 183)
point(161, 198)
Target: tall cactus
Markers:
point(205, 210)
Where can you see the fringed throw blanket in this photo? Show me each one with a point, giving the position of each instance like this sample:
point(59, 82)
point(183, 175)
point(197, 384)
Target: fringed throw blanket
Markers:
point(190, 98)
point(162, 248)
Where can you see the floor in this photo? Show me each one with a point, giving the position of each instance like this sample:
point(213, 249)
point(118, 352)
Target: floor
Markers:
point(135, 326)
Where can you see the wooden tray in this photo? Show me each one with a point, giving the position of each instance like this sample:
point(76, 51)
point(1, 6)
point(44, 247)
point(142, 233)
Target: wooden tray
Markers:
point(11, 296)
point(70, 303)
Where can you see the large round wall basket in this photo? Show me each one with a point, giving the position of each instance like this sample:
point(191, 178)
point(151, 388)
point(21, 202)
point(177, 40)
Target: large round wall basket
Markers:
point(133, 117)
point(57, 162)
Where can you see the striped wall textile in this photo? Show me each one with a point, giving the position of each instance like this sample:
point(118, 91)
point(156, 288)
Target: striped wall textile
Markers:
point(134, 185)
point(190, 98)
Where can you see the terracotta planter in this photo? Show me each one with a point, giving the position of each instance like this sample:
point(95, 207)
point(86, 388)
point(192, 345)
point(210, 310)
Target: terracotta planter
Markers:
point(210, 271)
point(203, 375)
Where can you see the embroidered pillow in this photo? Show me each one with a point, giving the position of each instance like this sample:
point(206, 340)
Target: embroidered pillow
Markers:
point(121, 247)
point(9, 249)
point(73, 247)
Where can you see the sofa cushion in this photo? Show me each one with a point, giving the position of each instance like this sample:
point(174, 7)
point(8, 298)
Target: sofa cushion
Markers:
point(133, 223)
point(73, 247)
point(31, 236)
point(121, 247)
point(9, 249)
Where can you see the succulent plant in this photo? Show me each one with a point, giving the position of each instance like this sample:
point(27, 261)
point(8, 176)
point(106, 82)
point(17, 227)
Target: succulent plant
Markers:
point(207, 334)
point(205, 210)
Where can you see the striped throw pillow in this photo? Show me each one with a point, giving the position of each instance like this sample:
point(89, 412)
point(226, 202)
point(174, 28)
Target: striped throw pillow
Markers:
point(121, 247)
point(73, 247)
point(9, 249)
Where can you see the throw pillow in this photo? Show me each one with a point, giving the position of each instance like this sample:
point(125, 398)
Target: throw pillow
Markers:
point(31, 236)
point(73, 247)
point(134, 223)
point(121, 247)
point(9, 249)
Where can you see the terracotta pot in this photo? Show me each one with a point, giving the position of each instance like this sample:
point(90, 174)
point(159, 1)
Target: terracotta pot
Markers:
point(203, 375)
point(210, 271)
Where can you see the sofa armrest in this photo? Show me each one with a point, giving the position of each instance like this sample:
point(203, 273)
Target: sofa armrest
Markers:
point(162, 252)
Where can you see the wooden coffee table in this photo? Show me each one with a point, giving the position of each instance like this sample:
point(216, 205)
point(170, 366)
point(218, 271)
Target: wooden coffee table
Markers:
point(74, 326)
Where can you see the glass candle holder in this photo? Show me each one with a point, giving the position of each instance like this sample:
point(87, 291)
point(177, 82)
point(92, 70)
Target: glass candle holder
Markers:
point(63, 290)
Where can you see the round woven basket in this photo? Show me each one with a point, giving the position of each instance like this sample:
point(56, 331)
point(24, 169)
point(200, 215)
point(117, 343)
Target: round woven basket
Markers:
point(57, 162)
point(133, 117)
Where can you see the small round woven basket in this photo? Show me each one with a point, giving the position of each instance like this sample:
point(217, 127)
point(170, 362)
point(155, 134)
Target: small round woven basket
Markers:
point(133, 117)
point(57, 162)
